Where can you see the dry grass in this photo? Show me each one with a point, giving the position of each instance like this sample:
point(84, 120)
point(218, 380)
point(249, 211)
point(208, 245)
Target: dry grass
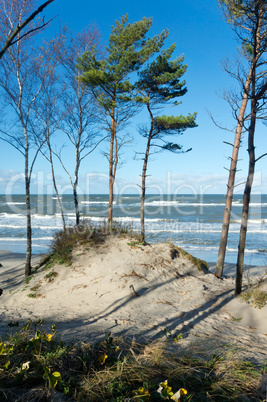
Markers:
point(256, 291)
point(135, 274)
point(256, 297)
point(86, 234)
point(116, 368)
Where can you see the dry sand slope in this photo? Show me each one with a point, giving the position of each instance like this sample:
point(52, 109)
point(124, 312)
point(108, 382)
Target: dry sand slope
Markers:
point(146, 291)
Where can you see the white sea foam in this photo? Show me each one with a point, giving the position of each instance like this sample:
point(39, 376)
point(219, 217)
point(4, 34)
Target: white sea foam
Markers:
point(251, 221)
point(42, 238)
point(11, 226)
point(47, 227)
point(211, 248)
point(13, 239)
point(126, 219)
point(15, 203)
point(12, 216)
point(252, 251)
point(181, 204)
point(199, 204)
point(20, 239)
point(95, 202)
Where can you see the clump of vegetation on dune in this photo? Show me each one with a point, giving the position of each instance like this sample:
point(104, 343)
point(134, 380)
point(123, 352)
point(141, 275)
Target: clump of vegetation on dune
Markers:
point(88, 234)
point(35, 365)
point(201, 264)
point(256, 294)
point(85, 234)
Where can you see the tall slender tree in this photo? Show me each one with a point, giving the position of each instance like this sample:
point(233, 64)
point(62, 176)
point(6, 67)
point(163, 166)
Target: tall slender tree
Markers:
point(48, 114)
point(158, 86)
point(258, 13)
point(79, 122)
point(249, 24)
point(21, 87)
point(109, 78)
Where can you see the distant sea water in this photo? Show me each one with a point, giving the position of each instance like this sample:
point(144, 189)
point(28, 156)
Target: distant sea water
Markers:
point(192, 222)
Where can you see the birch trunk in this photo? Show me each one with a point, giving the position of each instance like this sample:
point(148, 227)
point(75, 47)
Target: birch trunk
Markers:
point(28, 268)
point(55, 185)
point(75, 185)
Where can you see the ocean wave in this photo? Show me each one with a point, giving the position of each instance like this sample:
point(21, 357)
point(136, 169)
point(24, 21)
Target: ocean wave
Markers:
point(12, 216)
point(13, 239)
point(161, 203)
point(252, 204)
point(11, 226)
point(68, 215)
point(211, 248)
point(95, 202)
point(126, 219)
point(199, 204)
point(252, 251)
point(182, 204)
point(197, 230)
point(15, 203)
point(251, 221)
point(42, 238)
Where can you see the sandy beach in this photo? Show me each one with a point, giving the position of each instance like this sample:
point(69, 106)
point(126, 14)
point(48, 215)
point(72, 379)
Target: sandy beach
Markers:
point(142, 291)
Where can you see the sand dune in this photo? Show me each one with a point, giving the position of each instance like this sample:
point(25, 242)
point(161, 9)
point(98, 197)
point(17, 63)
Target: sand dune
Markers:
point(145, 291)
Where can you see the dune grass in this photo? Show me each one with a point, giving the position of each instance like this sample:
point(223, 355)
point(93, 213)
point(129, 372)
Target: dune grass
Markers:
point(35, 365)
point(255, 296)
point(201, 264)
point(86, 234)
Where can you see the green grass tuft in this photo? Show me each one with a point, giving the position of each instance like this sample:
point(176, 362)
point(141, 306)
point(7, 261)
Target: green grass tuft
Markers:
point(116, 369)
point(201, 264)
point(86, 234)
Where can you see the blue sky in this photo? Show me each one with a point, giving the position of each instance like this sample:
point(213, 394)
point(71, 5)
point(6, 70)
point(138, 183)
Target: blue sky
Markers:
point(205, 39)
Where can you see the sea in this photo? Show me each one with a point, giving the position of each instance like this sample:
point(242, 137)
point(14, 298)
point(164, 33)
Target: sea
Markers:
point(192, 222)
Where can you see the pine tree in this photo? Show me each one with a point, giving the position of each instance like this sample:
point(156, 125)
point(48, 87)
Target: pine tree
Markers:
point(109, 79)
point(158, 86)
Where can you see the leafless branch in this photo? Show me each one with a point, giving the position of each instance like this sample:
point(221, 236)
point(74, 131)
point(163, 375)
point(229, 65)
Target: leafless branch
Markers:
point(260, 157)
point(11, 38)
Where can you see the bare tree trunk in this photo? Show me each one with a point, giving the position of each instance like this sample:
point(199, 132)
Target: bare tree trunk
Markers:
point(231, 180)
point(28, 268)
point(75, 184)
point(76, 203)
point(246, 196)
point(111, 169)
point(143, 195)
point(55, 186)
